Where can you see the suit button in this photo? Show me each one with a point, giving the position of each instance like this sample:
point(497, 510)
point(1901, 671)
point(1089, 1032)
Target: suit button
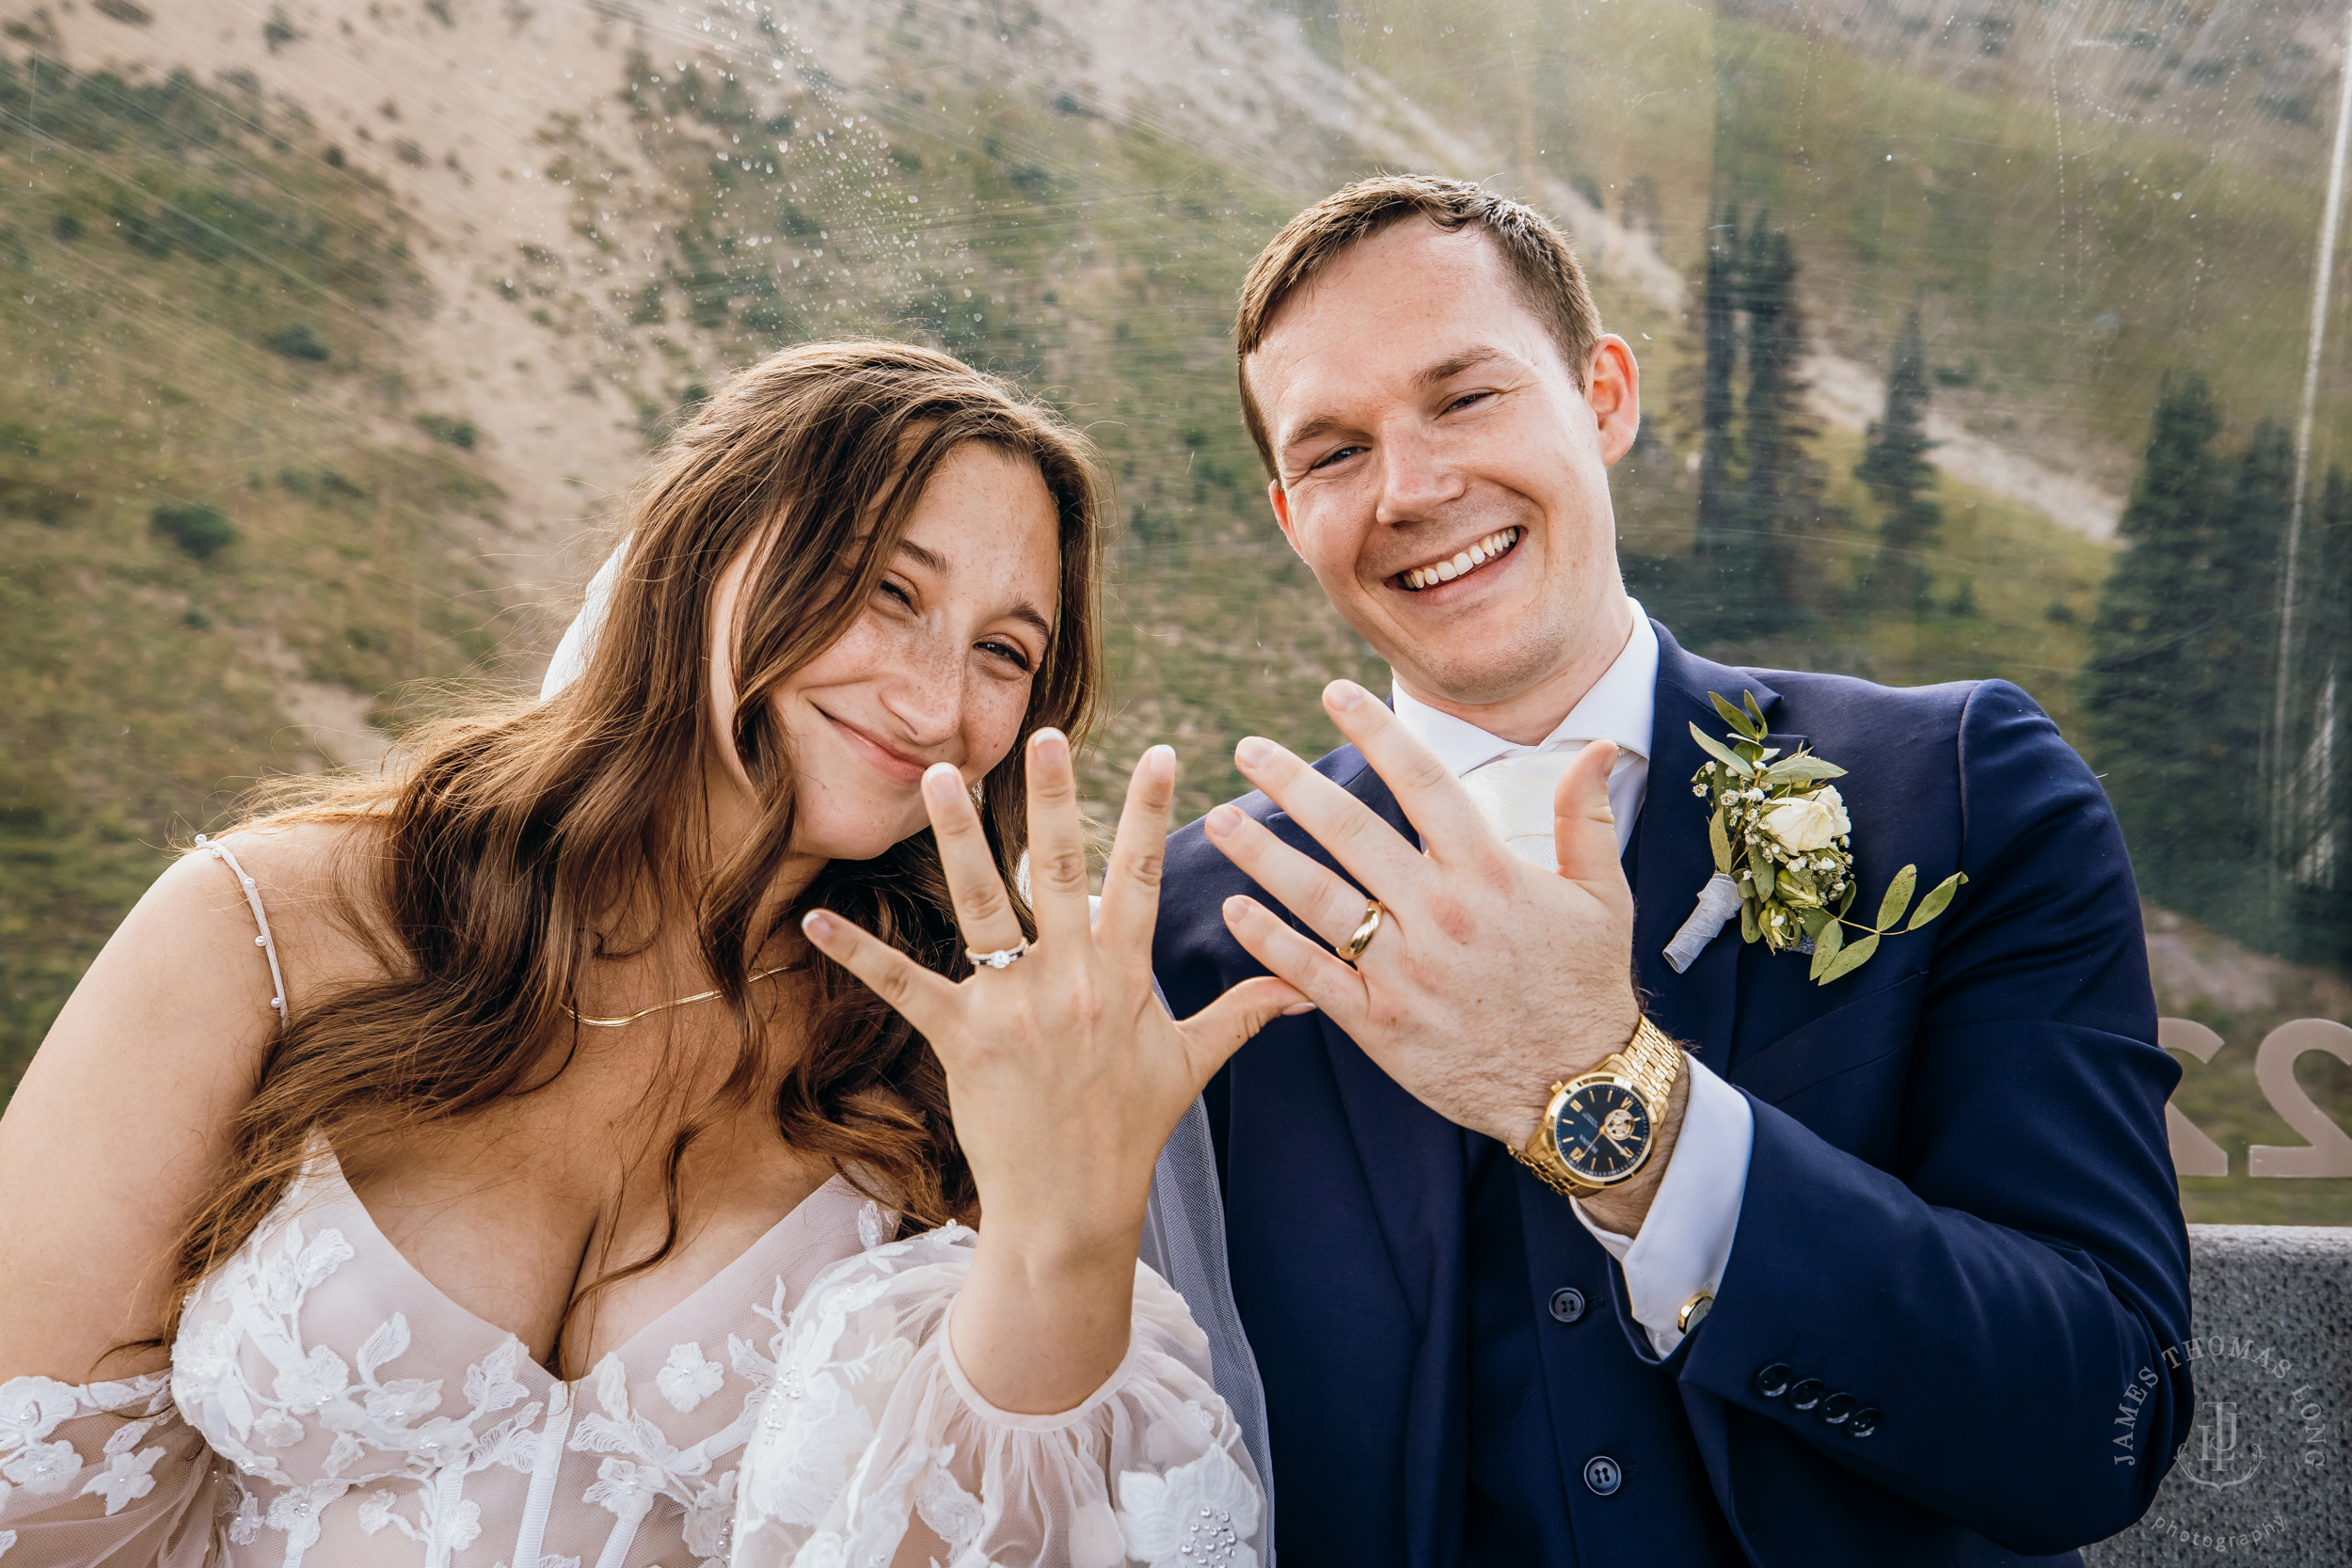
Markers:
point(1773, 1381)
point(1836, 1409)
point(1804, 1393)
point(1602, 1474)
point(1567, 1304)
point(1865, 1421)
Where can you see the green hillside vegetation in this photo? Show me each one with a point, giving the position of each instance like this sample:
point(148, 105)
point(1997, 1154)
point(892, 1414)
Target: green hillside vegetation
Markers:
point(2058, 293)
point(206, 485)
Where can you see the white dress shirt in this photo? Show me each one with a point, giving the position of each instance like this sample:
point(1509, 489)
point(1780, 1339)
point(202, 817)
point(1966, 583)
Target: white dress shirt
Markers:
point(1685, 1242)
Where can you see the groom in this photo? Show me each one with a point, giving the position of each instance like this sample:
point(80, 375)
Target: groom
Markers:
point(1877, 1272)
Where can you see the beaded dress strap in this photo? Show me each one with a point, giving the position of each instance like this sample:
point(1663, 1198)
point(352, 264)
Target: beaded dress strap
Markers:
point(253, 901)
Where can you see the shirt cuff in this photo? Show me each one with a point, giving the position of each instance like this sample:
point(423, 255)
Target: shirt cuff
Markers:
point(1685, 1242)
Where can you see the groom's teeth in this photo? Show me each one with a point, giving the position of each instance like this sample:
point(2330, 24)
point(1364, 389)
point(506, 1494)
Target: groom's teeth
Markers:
point(1446, 571)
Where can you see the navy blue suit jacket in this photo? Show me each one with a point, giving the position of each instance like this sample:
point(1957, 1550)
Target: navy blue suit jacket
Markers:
point(1961, 1208)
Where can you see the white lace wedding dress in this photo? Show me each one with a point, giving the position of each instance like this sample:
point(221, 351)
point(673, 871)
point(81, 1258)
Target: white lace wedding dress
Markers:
point(326, 1404)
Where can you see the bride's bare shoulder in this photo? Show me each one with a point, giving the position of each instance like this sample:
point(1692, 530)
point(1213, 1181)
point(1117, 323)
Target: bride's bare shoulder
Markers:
point(315, 881)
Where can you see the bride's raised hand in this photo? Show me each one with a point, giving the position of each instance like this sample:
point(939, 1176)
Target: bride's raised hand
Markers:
point(1064, 1072)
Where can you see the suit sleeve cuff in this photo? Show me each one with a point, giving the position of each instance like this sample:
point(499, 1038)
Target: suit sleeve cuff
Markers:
point(1685, 1242)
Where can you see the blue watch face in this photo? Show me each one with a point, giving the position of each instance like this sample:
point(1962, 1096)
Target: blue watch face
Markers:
point(1602, 1130)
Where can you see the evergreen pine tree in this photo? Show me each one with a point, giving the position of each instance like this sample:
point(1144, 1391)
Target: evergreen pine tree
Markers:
point(1895, 467)
point(1781, 489)
point(1717, 502)
point(2317, 752)
point(2180, 662)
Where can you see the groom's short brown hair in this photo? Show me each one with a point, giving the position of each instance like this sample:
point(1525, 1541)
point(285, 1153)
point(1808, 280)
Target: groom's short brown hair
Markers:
point(1533, 249)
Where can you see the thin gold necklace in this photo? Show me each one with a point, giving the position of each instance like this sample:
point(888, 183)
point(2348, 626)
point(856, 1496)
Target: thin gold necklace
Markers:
point(676, 1001)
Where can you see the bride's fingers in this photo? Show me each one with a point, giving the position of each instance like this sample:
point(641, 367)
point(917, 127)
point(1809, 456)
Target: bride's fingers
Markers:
point(1222, 1027)
point(984, 911)
point(1131, 883)
point(926, 1000)
point(1057, 845)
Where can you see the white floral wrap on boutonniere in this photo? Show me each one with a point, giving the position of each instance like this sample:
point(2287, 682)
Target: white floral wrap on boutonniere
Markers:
point(1783, 854)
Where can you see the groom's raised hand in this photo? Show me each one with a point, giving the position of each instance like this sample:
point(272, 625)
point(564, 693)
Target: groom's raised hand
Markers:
point(1489, 979)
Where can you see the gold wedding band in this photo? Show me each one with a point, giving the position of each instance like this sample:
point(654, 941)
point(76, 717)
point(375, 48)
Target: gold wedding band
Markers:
point(1365, 931)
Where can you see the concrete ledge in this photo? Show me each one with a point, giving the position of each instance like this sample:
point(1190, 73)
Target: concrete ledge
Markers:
point(2267, 1477)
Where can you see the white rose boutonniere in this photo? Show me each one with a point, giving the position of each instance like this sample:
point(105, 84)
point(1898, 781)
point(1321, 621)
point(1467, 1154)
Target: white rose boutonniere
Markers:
point(1783, 854)
point(1808, 822)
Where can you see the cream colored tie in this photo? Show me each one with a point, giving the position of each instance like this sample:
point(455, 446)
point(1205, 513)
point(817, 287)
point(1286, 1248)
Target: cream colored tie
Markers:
point(1513, 794)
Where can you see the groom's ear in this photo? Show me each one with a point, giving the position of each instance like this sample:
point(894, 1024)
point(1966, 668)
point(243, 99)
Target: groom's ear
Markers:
point(1281, 504)
point(1613, 390)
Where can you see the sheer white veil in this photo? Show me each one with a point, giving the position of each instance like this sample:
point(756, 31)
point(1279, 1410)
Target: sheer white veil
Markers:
point(1183, 1232)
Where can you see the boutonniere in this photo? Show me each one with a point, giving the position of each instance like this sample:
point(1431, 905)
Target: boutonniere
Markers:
point(1784, 855)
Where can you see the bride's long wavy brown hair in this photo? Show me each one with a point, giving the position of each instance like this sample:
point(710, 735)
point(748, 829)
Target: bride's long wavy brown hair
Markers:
point(511, 842)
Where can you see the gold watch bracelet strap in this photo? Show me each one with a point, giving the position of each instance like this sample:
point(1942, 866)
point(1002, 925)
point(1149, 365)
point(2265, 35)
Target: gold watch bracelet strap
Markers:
point(1651, 1059)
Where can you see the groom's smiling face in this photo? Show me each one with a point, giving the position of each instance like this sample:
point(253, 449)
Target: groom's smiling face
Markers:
point(1442, 469)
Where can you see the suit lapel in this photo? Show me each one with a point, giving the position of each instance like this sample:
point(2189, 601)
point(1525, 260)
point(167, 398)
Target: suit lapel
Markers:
point(1412, 1161)
point(1673, 861)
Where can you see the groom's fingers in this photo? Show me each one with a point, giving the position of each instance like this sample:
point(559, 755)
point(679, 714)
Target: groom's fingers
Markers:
point(1374, 854)
point(1432, 797)
point(1583, 828)
point(1327, 902)
point(1321, 977)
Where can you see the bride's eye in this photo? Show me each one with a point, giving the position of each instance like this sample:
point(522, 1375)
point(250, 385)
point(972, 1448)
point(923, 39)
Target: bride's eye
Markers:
point(906, 600)
point(1008, 652)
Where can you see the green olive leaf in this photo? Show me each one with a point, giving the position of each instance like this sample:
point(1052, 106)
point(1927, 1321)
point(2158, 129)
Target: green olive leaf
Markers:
point(1749, 931)
point(1722, 753)
point(1803, 768)
point(1850, 959)
point(1937, 900)
point(1898, 897)
point(1760, 867)
point(1845, 900)
point(1733, 717)
point(1826, 944)
point(1718, 841)
point(1748, 699)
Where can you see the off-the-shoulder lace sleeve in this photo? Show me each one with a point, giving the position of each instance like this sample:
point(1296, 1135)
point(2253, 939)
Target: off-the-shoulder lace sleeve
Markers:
point(872, 1424)
point(101, 1473)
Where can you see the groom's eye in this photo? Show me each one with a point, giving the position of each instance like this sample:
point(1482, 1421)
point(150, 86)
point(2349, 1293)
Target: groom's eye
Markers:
point(1466, 399)
point(1330, 457)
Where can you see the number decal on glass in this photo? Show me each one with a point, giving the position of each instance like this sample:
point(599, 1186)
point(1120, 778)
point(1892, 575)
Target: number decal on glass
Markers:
point(2193, 1152)
point(2328, 1148)
point(2328, 1153)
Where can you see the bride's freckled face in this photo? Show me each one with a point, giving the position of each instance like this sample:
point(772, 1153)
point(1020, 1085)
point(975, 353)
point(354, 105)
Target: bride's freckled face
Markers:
point(939, 666)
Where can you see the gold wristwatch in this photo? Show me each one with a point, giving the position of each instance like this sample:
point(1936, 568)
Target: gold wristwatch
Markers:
point(1600, 1126)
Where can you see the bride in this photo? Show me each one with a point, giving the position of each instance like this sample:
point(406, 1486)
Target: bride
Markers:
point(560, 1150)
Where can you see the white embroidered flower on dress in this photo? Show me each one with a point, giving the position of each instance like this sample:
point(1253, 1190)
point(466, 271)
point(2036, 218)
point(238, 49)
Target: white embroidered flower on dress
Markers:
point(276, 1430)
point(689, 1379)
point(1197, 1515)
point(43, 1469)
point(708, 1521)
point(628, 1490)
point(125, 1479)
point(31, 1407)
point(317, 1379)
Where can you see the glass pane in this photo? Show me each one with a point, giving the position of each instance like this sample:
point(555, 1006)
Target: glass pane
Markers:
point(1997, 343)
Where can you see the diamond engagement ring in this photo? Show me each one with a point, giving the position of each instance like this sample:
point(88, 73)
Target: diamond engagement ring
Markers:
point(1365, 931)
point(1004, 957)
